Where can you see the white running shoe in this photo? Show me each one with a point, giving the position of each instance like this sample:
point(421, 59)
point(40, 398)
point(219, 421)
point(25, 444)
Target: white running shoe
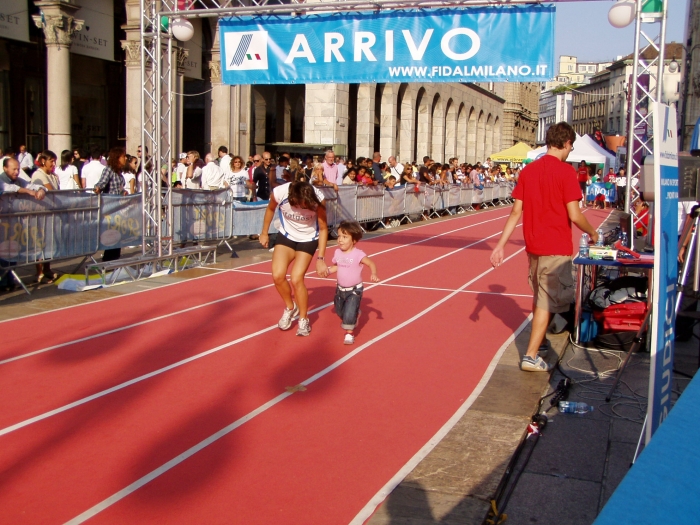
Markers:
point(286, 320)
point(349, 339)
point(304, 327)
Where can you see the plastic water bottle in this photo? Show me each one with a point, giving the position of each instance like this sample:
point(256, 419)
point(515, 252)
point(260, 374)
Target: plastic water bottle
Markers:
point(601, 239)
point(583, 246)
point(574, 407)
point(623, 238)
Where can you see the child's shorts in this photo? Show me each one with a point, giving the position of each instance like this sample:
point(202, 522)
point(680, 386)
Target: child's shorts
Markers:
point(347, 305)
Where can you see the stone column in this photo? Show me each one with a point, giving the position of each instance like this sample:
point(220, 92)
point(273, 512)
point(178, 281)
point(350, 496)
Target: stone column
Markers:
point(364, 145)
point(326, 114)
point(58, 24)
point(387, 121)
point(181, 55)
point(132, 48)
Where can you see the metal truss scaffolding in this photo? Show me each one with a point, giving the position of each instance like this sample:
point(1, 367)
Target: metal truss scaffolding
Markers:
point(645, 90)
point(156, 82)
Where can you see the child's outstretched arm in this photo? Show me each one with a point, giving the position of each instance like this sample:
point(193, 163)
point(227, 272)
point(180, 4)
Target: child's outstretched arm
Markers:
point(332, 269)
point(373, 267)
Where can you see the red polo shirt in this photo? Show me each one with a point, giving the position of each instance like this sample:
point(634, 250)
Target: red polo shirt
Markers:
point(545, 187)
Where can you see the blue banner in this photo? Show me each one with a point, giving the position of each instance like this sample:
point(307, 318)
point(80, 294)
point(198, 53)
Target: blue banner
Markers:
point(665, 265)
point(487, 44)
point(607, 189)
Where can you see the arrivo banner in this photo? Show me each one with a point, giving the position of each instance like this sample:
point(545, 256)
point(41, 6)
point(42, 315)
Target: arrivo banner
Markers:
point(489, 44)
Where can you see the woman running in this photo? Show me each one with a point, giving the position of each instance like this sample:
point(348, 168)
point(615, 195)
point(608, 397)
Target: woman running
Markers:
point(302, 229)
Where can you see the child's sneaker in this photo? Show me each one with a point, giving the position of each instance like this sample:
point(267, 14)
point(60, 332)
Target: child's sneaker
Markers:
point(349, 339)
point(286, 320)
point(304, 327)
point(537, 364)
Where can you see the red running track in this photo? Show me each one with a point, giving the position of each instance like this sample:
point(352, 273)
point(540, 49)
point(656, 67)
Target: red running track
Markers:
point(185, 404)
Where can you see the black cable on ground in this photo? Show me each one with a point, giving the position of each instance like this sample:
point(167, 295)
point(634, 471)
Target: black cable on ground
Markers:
point(504, 491)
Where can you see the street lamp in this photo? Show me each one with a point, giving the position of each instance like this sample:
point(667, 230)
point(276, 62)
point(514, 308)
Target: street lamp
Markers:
point(622, 13)
point(182, 29)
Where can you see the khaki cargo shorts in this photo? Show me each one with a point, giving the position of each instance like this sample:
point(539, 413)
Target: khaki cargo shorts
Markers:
point(552, 282)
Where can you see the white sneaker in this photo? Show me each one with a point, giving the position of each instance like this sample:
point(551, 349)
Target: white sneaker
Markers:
point(304, 327)
point(285, 322)
point(349, 339)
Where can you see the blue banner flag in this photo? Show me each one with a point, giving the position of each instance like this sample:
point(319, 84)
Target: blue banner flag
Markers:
point(665, 266)
point(487, 44)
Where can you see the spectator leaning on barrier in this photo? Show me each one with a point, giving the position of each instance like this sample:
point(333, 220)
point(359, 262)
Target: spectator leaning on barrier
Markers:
point(212, 175)
point(111, 182)
point(395, 168)
point(547, 199)
point(330, 168)
point(44, 175)
point(10, 181)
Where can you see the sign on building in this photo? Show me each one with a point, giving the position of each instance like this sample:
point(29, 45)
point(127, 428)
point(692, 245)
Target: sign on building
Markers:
point(427, 45)
point(14, 20)
point(96, 39)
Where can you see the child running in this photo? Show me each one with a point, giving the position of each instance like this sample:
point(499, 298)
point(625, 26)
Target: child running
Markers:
point(301, 216)
point(348, 261)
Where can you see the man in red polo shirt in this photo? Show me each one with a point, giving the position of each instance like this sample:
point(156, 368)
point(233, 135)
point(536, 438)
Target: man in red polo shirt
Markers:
point(547, 198)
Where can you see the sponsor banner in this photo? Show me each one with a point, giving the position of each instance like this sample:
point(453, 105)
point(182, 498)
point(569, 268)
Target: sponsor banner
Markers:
point(63, 224)
point(121, 221)
point(665, 265)
point(429, 45)
point(14, 20)
point(96, 39)
point(201, 215)
point(601, 188)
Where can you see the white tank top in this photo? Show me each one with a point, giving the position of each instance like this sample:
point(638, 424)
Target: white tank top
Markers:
point(297, 224)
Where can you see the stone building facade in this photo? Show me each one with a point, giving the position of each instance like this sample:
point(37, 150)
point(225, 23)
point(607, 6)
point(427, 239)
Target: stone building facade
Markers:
point(440, 120)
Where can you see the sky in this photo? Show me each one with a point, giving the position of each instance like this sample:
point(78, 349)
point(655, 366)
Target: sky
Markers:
point(583, 30)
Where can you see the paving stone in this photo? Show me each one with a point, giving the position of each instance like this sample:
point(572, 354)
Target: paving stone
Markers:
point(551, 500)
point(623, 431)
point(620, 456)
point(574, 448)
point(413, 505)
point(472, 458)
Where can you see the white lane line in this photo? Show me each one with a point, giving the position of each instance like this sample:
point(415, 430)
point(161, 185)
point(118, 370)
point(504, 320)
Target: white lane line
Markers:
point(116, 497)
point(177, 364)
point(186, 310)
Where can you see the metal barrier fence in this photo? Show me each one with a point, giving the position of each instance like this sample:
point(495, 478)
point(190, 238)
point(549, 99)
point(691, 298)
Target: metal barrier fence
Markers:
point(202, 215)
point(67, 224)
point(62, 225)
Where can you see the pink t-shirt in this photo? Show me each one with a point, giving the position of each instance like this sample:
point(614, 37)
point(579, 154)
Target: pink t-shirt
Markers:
point(349, 266)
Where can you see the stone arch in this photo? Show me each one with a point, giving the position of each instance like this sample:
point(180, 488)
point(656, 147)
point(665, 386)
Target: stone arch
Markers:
point(471, 136)
point(421, 126)
point(295, 103)
point(461, 139)
point(450, 148)
point(488, 137)
point(404, 123)
point(480, 137)
point(437, 135)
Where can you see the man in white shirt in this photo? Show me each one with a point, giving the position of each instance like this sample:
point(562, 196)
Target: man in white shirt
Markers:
point(25, 159)
point(212, 177)
point(396, 169)
point(92, 171)
point(621, 184)
point(224, 160)
point(181, 169)
point(330, 169)
point(10, 181)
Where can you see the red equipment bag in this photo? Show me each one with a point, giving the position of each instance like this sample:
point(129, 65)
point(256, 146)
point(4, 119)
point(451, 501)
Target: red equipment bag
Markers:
point(626, 317)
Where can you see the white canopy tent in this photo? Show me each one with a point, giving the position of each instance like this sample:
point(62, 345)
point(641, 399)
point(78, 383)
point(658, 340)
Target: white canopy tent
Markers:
point(585, 149)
